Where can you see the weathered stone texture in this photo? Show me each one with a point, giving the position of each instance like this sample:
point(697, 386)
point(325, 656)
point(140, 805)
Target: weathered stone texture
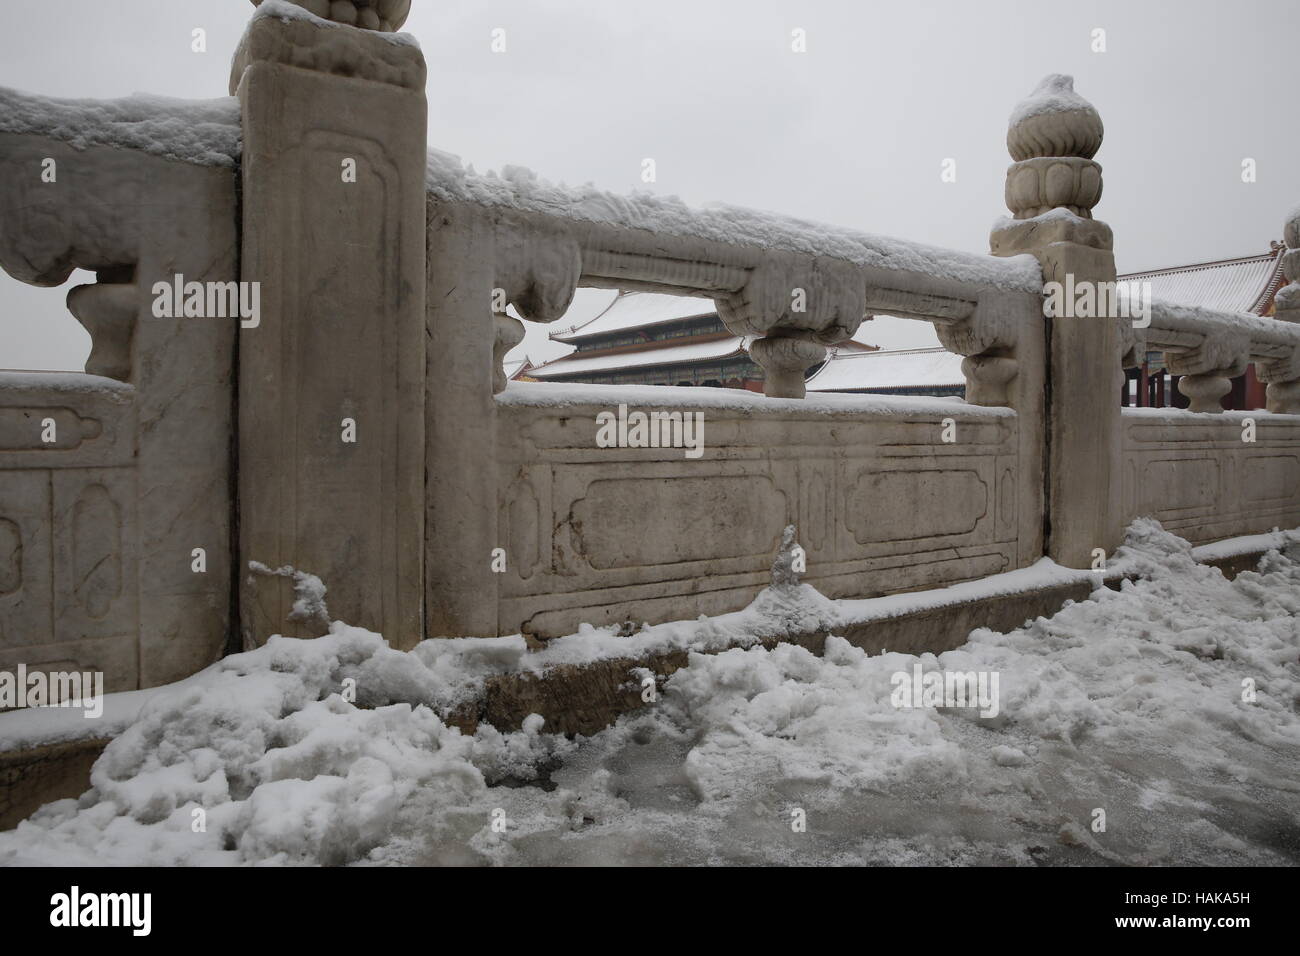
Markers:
point(139, 475)
point(341, 342)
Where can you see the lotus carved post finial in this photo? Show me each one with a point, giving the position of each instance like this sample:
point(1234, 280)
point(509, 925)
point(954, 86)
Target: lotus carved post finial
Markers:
point(1054, 121)
point(385, 16)
point(1053, 135)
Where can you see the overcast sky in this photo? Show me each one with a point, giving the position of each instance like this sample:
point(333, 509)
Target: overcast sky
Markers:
point(852, 132)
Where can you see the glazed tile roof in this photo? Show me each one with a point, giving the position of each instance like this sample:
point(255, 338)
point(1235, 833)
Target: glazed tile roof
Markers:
point(1229, 285)
point(582, 363)
point(637, 310)
point(890, 369)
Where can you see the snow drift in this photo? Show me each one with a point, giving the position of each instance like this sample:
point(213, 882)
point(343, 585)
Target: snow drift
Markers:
point(1169, 705)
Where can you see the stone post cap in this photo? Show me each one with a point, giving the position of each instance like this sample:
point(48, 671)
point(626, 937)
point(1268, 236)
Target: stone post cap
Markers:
point(386, 16)
point(1054, 121)
point(287, 33)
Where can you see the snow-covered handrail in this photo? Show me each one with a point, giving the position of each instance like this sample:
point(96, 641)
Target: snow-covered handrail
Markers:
point(1209, 348)
point(134, 472)
point(91, 206)
point(795, 286)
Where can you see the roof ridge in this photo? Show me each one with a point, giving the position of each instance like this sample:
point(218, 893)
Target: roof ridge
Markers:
point(704, 311)
point(1275, 282)
point(582, 325)
point(879, 352)
point(1193, 266)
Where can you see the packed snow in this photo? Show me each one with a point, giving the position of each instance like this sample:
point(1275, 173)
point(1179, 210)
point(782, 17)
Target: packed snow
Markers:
point(1169, 704)
point(285, 11)
point(1053, 94)
point(21, 380)
point(1192, 318)
point(203, 132)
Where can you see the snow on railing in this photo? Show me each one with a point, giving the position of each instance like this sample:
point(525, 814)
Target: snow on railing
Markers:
point(130, 464)
point(1209, 348)
point(796, 286)
point(202, 132)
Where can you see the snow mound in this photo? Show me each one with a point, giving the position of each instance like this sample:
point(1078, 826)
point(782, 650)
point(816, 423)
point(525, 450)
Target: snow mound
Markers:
point(267, 760)
point(1168, 706)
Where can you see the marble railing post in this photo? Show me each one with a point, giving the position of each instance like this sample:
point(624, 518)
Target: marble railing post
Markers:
point(794, 310)
point(1051, 188)
point(785, 360)
point(1207, 371)
point(331, 382)
point(481, 262)
point(464, 333)
point(1282, 376)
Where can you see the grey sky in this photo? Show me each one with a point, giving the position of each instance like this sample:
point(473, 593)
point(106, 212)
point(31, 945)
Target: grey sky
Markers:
point(852, 132)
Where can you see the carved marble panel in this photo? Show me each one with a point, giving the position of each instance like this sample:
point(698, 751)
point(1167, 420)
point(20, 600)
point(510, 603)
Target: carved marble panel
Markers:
point(881, 504)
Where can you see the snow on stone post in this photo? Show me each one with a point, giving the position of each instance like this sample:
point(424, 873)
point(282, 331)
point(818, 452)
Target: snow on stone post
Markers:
point(1283, 375)
point(384, 16)
point(1051, 189)
point(331, 383)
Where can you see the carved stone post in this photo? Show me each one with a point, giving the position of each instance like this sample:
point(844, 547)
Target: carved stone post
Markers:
point(1283, 375)
point(1051, 188)
point(480, 261)
point(331, 383)
point(106, 309)
point(507, 333)
point(786, 359)
point(798, 311)
point(537, 267)
point(1208, 370)
point(988, 339)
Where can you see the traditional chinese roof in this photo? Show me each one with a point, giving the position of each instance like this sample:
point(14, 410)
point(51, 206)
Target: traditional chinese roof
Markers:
point(514, 368)
point(637, 310)
point(1247, 284)
point(896, 369)
point(582, 363)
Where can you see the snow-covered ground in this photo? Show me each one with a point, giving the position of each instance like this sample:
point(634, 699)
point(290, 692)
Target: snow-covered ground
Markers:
point(1130, 703)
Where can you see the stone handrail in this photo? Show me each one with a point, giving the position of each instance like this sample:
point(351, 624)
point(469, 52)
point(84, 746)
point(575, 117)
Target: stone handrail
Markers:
point(374, 450)
point(1208, 348)
point(797, 286)
point(138, 191)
